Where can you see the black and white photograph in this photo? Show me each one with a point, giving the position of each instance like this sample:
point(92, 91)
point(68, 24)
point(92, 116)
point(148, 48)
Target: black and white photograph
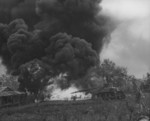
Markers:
point(74, 60)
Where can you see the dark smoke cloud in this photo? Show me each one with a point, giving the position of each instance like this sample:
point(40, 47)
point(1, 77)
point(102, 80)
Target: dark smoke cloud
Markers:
point(18, 45)
point(12, 9)
point(79, 18)
point(24, 45)
point(68, 38)
point(5, 9)
point(71, 54)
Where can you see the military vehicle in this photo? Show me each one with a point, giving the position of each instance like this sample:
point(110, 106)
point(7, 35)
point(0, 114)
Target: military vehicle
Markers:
point(107, 93)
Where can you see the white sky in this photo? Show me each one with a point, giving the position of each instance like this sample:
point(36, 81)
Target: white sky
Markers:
point(130, 41)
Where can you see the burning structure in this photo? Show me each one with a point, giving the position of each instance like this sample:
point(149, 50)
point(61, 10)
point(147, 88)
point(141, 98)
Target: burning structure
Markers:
point(62, 36)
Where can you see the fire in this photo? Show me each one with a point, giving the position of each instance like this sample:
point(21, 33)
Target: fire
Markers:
point(59, 94)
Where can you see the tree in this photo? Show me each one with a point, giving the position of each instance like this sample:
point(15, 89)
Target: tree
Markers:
point(113, 74)
point(33, 77)
point(145, 86)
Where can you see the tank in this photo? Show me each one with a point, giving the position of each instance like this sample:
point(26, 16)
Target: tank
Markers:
point(107, 93)
point(112, 93)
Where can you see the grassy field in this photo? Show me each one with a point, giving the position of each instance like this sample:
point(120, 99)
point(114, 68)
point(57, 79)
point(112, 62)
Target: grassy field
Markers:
point(88, 110)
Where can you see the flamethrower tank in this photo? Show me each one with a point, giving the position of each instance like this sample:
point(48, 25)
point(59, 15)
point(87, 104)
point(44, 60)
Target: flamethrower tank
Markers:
point(107, 93)
point(111, 93)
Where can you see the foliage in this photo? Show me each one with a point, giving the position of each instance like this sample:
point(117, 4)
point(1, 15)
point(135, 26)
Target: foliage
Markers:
point(33, 77)
point(113, 74)
point(145, 86)
point(110, 74)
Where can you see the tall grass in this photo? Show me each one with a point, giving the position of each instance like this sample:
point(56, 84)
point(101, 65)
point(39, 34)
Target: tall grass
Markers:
point(72, 111)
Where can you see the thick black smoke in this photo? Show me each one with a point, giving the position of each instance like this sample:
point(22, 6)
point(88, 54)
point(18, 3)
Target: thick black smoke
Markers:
point(12, 9)
point(68, 38)
point(72, 54)
point(79, 18)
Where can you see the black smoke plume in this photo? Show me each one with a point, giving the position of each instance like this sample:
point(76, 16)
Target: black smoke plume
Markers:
point(12, 9)
point(79, 18)
point(66, 36)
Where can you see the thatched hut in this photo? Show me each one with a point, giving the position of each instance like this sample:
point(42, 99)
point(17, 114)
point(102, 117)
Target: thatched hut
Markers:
point(9, 97)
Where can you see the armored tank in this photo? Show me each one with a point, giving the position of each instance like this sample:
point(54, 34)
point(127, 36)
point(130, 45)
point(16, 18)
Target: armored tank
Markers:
point(107, 93)
point(111, 93)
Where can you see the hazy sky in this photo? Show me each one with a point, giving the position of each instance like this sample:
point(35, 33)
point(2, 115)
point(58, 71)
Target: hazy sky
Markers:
point(130, 41)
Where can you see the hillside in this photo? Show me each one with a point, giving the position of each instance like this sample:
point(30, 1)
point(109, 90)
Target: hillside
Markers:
point(88, 110)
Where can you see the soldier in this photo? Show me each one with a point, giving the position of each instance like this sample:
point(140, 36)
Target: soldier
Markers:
point(74, 98)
